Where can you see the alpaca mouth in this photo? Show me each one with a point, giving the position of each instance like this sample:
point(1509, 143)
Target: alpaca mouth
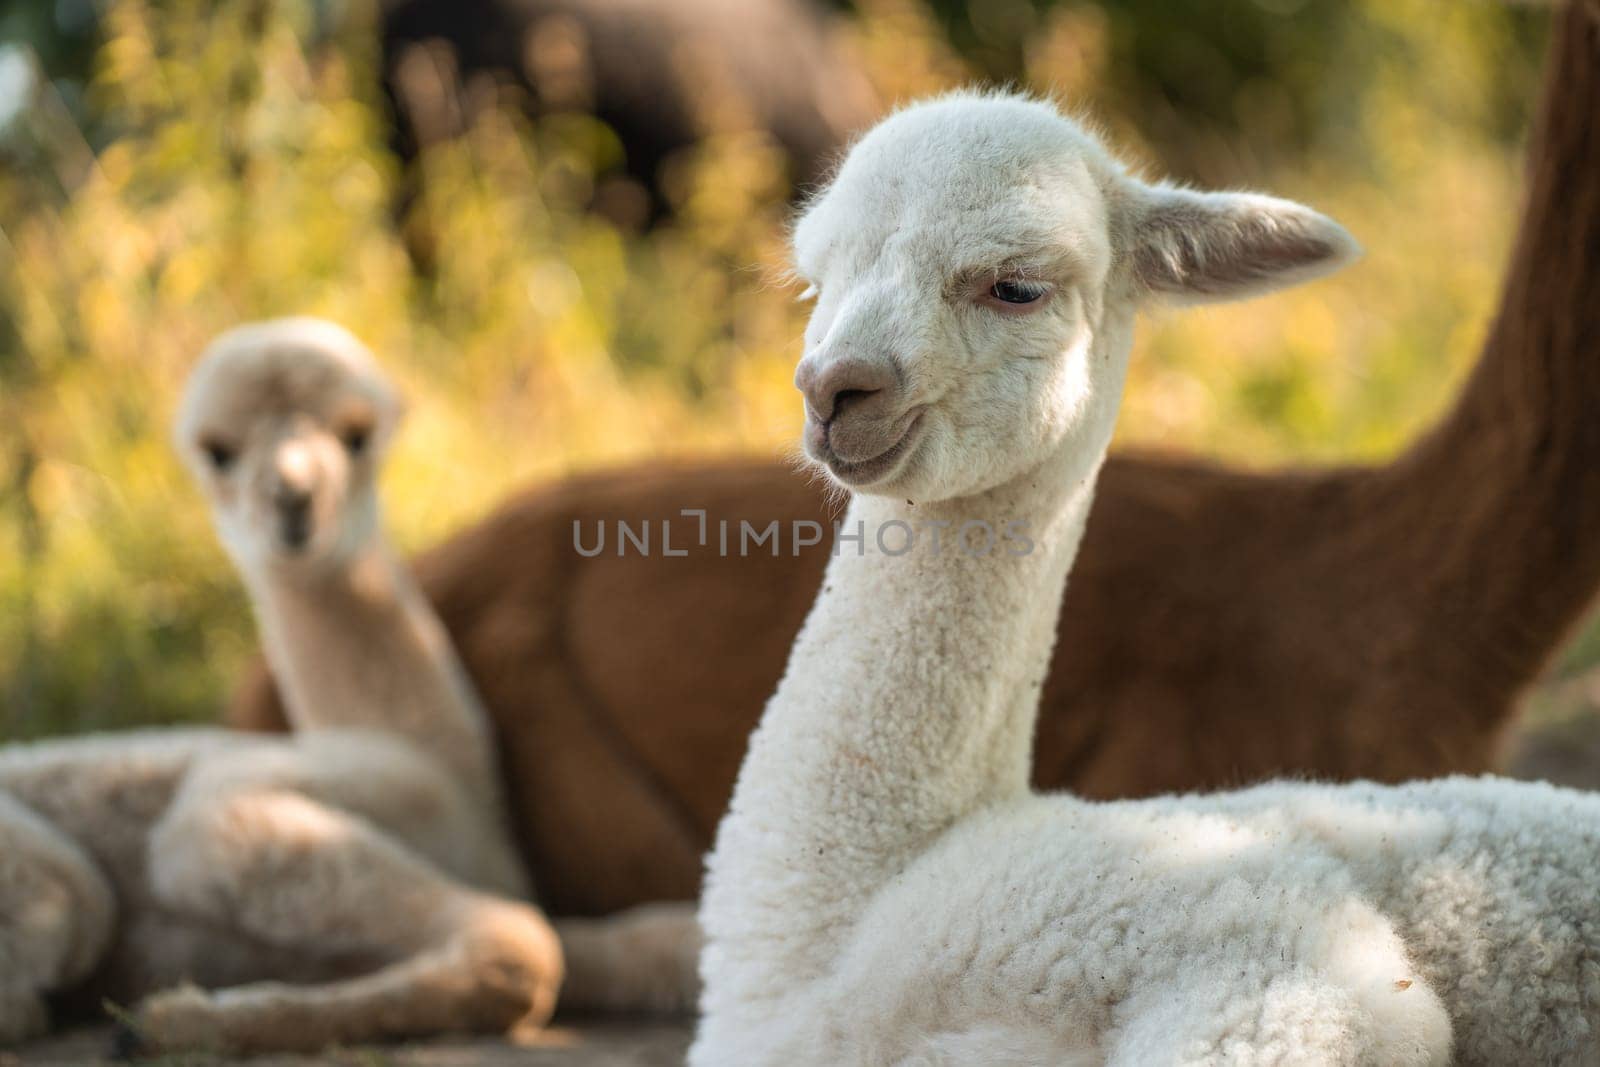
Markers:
point(294, 534)
point(862, 473)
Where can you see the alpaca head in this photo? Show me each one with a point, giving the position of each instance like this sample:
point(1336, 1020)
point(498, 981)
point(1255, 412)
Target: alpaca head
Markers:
point(976, 263)
point(284, 424)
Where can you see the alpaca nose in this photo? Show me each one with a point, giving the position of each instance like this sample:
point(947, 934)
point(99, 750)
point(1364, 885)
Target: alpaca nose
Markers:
point(842, 383)
point(295, 475)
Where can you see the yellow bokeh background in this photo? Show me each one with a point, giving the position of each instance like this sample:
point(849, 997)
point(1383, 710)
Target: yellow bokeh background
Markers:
point(246, 175)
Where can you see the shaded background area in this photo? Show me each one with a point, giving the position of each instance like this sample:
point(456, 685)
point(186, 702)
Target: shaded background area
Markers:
point(578, 261)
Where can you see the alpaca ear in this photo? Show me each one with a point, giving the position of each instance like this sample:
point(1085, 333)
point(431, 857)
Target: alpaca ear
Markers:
point(1194, 247)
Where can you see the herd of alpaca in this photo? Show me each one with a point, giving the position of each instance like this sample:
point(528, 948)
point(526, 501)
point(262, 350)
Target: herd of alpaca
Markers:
point(354, 882)
point(1222, 625)
point(885, 888)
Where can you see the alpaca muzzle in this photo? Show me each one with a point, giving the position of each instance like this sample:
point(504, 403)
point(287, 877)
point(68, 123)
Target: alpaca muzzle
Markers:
point(294, 520)
point(856, 421)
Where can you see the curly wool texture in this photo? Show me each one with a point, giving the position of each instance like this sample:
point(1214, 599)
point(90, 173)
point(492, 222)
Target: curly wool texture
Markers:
point(886, 890)
point(1289, 923)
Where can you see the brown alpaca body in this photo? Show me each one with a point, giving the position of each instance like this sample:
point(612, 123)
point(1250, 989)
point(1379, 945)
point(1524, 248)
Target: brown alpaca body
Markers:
point(1227, 626)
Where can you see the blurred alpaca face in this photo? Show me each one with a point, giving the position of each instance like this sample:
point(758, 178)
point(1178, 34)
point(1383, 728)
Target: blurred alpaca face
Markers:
point(976, 266)
point(283, 425)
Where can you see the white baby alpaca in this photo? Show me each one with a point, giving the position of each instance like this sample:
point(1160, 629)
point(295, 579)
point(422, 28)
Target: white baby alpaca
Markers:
point(885, 889)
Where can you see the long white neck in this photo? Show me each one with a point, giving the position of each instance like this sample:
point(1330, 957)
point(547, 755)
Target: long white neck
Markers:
point(360, 646)
point(909, 702)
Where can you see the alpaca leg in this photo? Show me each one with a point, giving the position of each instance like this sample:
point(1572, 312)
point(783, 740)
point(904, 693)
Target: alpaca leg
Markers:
point(294, 873)
point(489, 973)
point(645, 959)
point(56, 916)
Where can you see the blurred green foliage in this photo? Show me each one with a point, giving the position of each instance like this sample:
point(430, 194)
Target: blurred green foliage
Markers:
point(239, 170)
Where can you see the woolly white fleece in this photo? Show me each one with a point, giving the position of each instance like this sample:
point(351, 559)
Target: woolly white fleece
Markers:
point(885, 889)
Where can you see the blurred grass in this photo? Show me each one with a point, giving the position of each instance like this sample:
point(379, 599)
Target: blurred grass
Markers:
point(244, 173)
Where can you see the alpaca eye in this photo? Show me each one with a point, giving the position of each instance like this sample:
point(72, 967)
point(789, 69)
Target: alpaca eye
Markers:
point(355, 439)
point(1016, 291)
point(220, 454)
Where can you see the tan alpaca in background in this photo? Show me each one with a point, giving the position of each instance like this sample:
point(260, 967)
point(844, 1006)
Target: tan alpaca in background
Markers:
point(351, 883)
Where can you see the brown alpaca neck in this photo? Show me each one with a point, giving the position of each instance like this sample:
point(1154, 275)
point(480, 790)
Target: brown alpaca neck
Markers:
point(1500, 504)
point(359, 647)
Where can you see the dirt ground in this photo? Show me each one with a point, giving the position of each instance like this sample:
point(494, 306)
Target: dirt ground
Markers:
point(608, 1045)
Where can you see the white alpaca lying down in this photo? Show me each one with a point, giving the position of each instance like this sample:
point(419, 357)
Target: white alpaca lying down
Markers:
point(885, 889)
point(353, 882)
